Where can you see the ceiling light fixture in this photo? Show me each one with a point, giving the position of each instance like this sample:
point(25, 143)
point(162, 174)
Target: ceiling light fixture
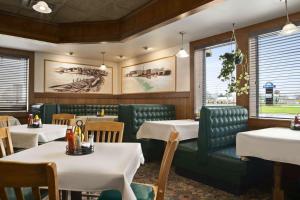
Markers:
point(289, 28)
point(103, 66)
point(42, 7)
point(121, 57)
point(182, 52)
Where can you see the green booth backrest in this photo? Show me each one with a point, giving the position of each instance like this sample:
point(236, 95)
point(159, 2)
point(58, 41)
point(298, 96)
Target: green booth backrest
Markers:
point(218, 127)
point(134, 115)
point(79, 109)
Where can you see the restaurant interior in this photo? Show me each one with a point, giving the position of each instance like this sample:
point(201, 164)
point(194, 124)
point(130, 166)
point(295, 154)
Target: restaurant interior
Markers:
point(149, 100)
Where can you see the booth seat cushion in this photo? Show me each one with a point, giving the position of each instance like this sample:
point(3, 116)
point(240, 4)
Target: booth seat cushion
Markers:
point(186, 154)
point(227, 159)
point(141, 191)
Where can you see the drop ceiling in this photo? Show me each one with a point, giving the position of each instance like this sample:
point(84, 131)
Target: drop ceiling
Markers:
point(74, 10)
point(212, 21)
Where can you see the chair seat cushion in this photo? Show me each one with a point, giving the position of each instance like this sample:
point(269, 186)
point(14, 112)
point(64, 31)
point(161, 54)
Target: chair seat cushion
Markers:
point(186, 155)
point(141, 191)
point(27, 193)
point(226, 158)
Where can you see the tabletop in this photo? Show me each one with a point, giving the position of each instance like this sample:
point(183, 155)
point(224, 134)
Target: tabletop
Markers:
point(275, 144)
point(24, 137)
point(111, 166)
point(160, 130)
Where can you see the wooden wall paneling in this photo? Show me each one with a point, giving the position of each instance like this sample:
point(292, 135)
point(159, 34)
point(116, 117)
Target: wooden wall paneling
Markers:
point(179, 99)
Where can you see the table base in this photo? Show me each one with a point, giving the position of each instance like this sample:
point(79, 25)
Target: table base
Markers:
point(278, 193)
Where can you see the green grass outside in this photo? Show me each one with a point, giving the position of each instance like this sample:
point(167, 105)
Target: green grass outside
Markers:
point(280, 109)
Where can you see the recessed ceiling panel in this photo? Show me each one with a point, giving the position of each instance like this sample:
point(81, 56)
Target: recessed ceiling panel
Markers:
point(65, 11)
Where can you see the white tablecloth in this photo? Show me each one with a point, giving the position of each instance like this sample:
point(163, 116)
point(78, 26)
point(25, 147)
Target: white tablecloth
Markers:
point(23, 137)
point(95, 118)
point(111, 166)
point(160, 130)
point(275, 144)
point(12, 122)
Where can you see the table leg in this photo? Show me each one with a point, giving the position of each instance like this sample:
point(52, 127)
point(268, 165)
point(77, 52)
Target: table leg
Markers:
point(64, 195)
point(76, 195)
point(278, 193)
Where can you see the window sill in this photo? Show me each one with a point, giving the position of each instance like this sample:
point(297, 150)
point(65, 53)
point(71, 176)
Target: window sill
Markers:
point(259, 123)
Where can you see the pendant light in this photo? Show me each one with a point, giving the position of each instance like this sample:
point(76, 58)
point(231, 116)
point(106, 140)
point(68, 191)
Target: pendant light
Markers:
point(42, 7)
point(289, 28)
point(182, 53)
point(103, 66)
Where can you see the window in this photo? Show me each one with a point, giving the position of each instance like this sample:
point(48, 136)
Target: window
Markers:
point(275, 75)
point(13, 83)
point(209, 89)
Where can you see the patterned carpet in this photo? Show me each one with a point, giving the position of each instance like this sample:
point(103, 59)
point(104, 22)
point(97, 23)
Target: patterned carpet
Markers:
point(180, 188)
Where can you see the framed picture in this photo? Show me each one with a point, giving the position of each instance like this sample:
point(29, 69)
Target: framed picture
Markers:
point(64, 77)
point(154, 76)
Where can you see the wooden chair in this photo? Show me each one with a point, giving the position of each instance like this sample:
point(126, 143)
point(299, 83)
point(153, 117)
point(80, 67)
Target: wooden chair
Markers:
point(156, 191)
point(63, 119)
point(104, 131)
point(6, 147)
point(4, 121)
point(14, 176)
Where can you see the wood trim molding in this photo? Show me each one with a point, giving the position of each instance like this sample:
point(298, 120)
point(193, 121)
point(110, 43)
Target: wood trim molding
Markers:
point(158, 95)
point(155, 14)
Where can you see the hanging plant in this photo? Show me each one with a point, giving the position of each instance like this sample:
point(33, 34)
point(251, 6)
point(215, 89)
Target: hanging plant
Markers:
point(229, 63)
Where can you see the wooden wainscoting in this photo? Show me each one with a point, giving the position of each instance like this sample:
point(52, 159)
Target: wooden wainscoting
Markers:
point(180, 99)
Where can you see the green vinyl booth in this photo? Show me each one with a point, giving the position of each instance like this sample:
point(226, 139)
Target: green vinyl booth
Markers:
point(212, 157)
point(134, 115)
point(47, 110)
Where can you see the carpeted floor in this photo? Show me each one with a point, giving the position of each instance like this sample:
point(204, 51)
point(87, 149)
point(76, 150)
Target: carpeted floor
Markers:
point(180, 188)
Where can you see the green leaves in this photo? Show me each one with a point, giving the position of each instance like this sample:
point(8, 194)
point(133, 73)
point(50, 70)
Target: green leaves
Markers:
point(229, 63)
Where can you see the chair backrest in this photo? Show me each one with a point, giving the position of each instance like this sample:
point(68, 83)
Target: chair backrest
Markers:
point(6, 147)
point(166, 165)
point(104, 131)
point(4, 121)
point(19, 175)
point(63, 119)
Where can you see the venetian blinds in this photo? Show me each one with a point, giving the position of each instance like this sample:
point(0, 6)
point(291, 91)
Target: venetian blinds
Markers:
point(274, 75)
point(13, 84)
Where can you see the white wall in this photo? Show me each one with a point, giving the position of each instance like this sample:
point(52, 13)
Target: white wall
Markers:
point(183, 66)
point(182, 76)
point(39, 68)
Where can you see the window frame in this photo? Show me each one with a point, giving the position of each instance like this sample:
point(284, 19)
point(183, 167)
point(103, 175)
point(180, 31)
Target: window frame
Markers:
point(30, 56)
point(254, 36)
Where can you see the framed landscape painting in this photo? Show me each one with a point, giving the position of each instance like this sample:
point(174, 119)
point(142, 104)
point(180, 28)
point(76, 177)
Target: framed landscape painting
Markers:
point(64, 77)
point(154, 76)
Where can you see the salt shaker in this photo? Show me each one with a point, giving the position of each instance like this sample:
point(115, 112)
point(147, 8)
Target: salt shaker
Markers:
point(91, 139)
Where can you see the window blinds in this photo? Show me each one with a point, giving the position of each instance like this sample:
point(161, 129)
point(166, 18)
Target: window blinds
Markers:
point(274, 59)
point(13, 84)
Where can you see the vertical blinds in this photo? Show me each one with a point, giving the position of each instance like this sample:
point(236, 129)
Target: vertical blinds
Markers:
point(274, 59)
point(199, 77)
point(13, 83)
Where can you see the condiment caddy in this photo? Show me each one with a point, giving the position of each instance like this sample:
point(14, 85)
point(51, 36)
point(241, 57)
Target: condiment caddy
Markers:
point(75, 138)
point(34, 122)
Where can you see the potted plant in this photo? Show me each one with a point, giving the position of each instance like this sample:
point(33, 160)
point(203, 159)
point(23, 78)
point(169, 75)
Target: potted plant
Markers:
point(230, 61)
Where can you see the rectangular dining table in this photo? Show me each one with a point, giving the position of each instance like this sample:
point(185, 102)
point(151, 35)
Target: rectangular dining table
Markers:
point(24, 137)
point(161, 130)
point(281, 145)
point(110, 166)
